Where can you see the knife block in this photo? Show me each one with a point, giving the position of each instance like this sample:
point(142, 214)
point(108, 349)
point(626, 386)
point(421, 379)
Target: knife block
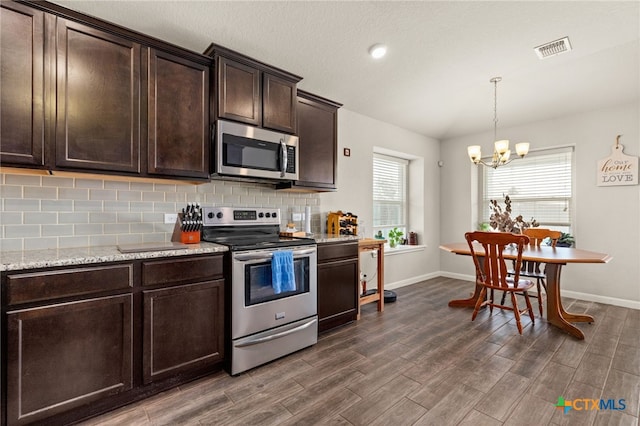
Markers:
point(191, 237)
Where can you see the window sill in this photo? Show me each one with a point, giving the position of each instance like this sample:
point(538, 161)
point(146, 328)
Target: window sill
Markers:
point(388, 251)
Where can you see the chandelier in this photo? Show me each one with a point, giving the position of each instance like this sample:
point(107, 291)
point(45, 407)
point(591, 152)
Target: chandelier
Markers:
point(501, 151)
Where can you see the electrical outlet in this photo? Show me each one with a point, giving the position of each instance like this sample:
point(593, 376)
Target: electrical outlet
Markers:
point(170, 218)
point(297, 217)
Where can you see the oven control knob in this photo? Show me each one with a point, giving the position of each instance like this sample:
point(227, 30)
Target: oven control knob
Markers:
point(219, 215)
point(268, 214)
point(274, 214)
point(260, 214)
point(210, 215)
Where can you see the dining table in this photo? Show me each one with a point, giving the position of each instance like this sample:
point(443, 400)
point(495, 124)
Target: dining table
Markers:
point(554, 258)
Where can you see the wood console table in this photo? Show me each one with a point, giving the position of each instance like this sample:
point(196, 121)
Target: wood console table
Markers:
point(370, 244)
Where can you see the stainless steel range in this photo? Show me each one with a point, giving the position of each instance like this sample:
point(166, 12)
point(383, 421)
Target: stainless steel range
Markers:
point(271, 316)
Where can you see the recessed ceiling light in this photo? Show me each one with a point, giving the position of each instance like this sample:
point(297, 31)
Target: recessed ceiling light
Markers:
point(377, 51)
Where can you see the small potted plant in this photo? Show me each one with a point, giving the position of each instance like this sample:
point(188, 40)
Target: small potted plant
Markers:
point(395, 236)
point(565, 240)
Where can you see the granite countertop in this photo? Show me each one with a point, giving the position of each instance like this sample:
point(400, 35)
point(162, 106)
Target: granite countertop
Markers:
point(328, 238)
point(32, 259)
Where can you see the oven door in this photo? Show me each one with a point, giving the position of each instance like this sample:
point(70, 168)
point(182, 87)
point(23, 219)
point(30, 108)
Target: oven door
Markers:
point(255, 306)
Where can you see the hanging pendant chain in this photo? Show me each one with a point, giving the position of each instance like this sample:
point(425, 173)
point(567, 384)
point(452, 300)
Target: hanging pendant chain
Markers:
point(495, 109)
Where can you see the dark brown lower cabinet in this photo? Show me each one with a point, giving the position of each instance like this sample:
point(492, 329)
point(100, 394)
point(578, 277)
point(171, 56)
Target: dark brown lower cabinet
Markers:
point(87, 339)
point(67, 355)
point(338, 272)
point(182, 329)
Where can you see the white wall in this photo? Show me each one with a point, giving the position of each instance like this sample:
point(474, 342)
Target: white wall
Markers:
point(607, 219)
point(361, 134)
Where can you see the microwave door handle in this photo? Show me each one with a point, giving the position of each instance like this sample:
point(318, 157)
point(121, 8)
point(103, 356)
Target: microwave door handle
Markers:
point(283, 157)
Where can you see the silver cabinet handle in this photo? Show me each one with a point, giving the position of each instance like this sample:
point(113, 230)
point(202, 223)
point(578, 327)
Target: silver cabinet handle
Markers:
point(275, 336)
point(269, 255)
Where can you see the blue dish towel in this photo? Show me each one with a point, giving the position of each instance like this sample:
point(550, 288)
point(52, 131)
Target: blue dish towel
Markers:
point(282, 276)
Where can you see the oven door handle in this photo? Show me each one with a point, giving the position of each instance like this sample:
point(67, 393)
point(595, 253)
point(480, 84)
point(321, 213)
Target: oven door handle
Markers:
point(269, 255)
point(275, 336)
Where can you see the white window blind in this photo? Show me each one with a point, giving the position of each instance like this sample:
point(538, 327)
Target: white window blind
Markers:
point(389, 191)
point(539, 185)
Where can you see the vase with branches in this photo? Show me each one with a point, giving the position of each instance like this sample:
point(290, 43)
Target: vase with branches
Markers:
point(501, 220)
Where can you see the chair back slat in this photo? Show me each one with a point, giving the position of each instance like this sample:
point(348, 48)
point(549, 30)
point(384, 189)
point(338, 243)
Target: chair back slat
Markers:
point(493, 272)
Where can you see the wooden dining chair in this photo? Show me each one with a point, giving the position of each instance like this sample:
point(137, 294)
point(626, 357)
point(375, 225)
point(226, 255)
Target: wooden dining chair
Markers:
point(536, 269)
point(492, 272)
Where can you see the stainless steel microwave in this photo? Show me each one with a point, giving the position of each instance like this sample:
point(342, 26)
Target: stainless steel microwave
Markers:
point(246, 151)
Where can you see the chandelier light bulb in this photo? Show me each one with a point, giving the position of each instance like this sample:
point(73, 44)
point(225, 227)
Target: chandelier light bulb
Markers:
point(522, 148)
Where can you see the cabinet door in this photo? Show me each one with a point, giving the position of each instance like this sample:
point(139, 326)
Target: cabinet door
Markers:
point(183, 329)
point(317, 130)
point(337, 293)
point(279, 104)
point(22, 79)
point(66, 355)
point(239, 92)
point(178, 115)
point(98, 117)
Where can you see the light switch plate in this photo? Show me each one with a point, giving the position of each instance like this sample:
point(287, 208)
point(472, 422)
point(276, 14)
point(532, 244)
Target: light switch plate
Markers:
point(170, 218)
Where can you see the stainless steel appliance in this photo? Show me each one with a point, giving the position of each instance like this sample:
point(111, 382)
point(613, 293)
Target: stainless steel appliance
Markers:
point(250, 152)
point(264, 324)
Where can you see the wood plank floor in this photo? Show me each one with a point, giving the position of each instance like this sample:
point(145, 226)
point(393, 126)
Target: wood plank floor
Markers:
point(423, 363)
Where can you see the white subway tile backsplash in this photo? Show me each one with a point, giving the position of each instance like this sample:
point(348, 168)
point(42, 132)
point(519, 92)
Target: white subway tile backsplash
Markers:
point(116, 206)
point(69, 242)
point(38, 218)
point(89, 183)
point(11, 218)
point(57, 205)
point(129, 196)
point(24, 180)
point(40, 243)
point(128, 217)
point(103, 217)
point(73, 218)
point(116, 228)
point(57, 181)
point(87, 206)
point(11, 191)
point(87, 229)
point(103, 194)
point(11, 244)
point(78, 194)
point(139, 206)
point(153, 196)
point(103, 240)
point(22, 231)
point(60, 212)
point(21, 205)
point(57, 230)
point(40, 193)
point(121, 185)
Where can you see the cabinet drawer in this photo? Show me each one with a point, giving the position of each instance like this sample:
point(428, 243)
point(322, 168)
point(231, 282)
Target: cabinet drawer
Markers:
point(177, 271)
point(327, 252)
point(32, 287)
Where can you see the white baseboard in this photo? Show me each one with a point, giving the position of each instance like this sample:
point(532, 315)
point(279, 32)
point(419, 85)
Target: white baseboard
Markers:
point(632, 304)
point(412, 280)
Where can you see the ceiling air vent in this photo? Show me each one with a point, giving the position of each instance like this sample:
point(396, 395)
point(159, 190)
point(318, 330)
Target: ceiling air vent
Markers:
point(553, 48)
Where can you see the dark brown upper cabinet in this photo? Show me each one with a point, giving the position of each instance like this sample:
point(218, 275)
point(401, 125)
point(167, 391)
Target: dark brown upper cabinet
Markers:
point(317, 128)
point(22, 131)
point(178, 116)
point(98, 100)
point(81, 94)
point(253, 92)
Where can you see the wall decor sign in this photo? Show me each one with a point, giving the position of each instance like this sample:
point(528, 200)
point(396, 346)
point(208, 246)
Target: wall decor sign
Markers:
point(618, 168)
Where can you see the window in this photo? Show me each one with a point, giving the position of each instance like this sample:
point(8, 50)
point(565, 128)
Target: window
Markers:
point(389, 193)
point(540, 186)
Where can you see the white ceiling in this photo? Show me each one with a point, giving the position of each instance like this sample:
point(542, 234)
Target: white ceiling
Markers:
point(435, 77)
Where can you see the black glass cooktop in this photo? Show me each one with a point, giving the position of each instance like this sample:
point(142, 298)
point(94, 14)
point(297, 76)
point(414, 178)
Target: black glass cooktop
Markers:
point(251, 239)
